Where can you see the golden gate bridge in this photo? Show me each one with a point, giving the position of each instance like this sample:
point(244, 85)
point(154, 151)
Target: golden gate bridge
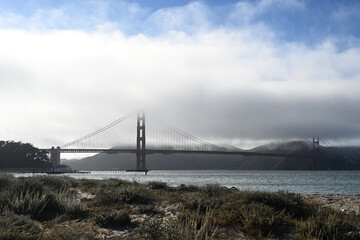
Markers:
point(152, 137)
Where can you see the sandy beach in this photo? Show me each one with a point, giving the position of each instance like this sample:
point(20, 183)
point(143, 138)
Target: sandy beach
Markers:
point(345, 203)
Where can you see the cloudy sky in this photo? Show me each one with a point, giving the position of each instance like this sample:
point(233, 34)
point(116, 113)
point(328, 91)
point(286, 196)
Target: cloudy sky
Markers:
point(235, 72)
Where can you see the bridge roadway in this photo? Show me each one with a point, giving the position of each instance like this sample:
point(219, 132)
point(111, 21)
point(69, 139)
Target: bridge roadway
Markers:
point(154, 151)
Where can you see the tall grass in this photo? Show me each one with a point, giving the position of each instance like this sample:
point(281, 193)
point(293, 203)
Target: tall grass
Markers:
point(28, 207)
point(39, 198)
point(16, 227)
point(124, 194)
point(326, 223)
point(196, 226)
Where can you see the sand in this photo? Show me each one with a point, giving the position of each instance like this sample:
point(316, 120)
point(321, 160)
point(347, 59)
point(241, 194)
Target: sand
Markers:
point(345, 203)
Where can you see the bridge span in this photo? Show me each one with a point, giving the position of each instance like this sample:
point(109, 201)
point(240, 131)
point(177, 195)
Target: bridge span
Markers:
point(196, 146)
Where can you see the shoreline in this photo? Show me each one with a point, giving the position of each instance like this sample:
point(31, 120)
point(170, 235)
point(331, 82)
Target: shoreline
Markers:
point(343, 203)
point(61, 207)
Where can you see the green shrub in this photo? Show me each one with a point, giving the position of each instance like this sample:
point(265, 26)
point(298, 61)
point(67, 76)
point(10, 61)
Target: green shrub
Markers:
point(202, 202)
point(147, 209)
point(31, 184)
point(65, 201)
point(112, 218)
point(254, 219)
point(188, 188)
point(259, 220)
point(27, 202)
point(7, 181)
point(15, 227)
point(70, 231)
point(89, 185)
point(157, 185)
point(329, 224)
point(56, 183)
point(213, 190)
point(291, 203)
point(30, 197)
point(124, 194)
point(195, 226)
point(151, 228)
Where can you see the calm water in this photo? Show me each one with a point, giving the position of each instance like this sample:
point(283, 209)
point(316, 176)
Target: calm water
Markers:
point(323, 182)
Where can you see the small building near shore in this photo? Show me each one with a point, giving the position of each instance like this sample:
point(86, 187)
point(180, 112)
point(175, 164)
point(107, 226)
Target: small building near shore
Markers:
point(62, 169)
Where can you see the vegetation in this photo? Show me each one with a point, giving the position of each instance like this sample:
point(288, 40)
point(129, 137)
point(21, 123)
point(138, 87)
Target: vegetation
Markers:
point(22, 155)
point(53, 207)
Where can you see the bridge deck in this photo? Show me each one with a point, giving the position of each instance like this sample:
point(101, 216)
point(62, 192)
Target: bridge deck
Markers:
point(154, 151)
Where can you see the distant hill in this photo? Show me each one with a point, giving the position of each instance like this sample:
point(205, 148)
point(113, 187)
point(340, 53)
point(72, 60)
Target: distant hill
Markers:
point(329, 158)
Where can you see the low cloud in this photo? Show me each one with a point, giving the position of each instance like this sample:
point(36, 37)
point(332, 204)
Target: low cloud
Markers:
point(226, 85)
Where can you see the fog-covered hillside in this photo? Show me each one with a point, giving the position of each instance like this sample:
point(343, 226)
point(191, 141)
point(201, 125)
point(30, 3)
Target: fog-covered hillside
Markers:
point(328, 159)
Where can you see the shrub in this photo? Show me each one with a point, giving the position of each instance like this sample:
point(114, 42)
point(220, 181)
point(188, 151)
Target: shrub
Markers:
point(151, 228)
point(195, 226)
point(112, 218)
point(291, 203)
point(147, 209)
point(157, 185)
point(65, 201)
point(328, 224)
point(27, 202)
point(15, 227)
point(70, 231)
point(188, 188)
point(7, 181)
point(56, 183)
point(31, 184)
point(89, 185)
point(213, 190)
point(259, 220)
point(202, 202)
point(30, 197)
point(255, 219)
point(124, 194)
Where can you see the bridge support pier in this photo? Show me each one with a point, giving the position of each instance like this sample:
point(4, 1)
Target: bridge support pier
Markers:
point(316, 150)
point(55, 156)
point(140, 143)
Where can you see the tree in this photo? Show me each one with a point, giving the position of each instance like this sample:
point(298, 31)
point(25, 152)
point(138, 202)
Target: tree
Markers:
point(22, 155)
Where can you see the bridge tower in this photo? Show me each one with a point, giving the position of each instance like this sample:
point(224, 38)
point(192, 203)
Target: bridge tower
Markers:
point(140, 143)
point(55, 156)
point(316, 150)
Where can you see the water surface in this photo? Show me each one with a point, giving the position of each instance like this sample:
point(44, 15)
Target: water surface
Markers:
point(318, 182)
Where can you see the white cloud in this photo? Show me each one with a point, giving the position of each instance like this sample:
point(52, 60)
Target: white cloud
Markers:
point(78, 81)
point(246, 11)
point(191, 18)
point(235, 85)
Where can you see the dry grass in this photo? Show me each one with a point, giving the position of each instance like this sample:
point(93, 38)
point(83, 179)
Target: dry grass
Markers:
point(47, 207)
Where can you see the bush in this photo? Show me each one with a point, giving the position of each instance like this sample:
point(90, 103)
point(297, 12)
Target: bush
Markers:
point(65, 201)
point(188, 188)
point(329, 224)
point(27, 202)
point(291, 203)
point(112, 218)
point(202, 202)
point(255, 219)
point(155, 185)
point(7, 181)
point(70, 231)
point(213, 190)
point(195, 226)
point(31, 197)
point(124, 194)
point(15, 227)
point(57, 183)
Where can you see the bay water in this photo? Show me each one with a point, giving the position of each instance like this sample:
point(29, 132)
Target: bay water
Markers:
point(314, 182)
